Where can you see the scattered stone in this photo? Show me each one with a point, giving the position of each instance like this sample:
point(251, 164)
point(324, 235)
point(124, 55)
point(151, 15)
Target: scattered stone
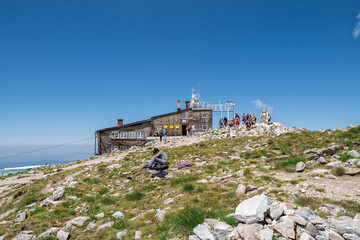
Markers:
point(21, 216)
point(311, 151)
point(169, 201)
point(91, 225)
point(160, 215)
point(252, 210)
point(78, 221)
point(322, 160)
point(286, 227)
point(105, 225)
point(203, 232)
point(346, 226)
point(221, 230)
point(265, 234)
point(50, 232)
point(193, 237)
point(118, 214)
point(121, 234)
point(58, 193)
point(241, 189)
point(202, 181)
point(334, 235)
point(25, 235)
point(313, 231)
point(138, 235)
point(100, 215)
point(300, 166)
point(240, 173)
point(276, 210)
point(306, 236)
point(354, 154)
point(62, 235)
point(348, 236)
point(249, 231)
point(352, 171)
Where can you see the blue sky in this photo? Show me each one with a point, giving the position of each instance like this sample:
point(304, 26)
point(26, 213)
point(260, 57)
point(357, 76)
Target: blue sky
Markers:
point(68, 68)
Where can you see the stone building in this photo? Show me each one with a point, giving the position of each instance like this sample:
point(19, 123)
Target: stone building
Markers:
point(124, 136)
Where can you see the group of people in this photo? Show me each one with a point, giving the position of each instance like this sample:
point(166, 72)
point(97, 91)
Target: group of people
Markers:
point(190, 131)
point(162, 133)
point(249, 120)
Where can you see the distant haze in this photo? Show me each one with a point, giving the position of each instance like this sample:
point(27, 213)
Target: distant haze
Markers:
point(56, 155)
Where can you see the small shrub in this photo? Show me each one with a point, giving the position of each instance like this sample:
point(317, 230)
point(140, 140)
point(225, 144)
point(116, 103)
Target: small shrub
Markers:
point(121, 224)
point(103, 191)
point(294, 182)
point(320, 190)
point(92, 180)
point(338, 171)
point(135, 196)
point(188, 187)
point(108, 201)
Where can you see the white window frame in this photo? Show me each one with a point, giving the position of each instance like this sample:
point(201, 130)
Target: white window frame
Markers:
point(183, 116)
point(204, 127)
point(123, 134)
point(132, 134)
point(113, 147)
point(140, 134)
point(115, 134)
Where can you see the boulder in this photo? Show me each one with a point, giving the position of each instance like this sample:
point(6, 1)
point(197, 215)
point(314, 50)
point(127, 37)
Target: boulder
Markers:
point(203, 232)
point(79, 221)
point(348, 236)
point(241, 189)
point(58, 193)
point(265, 234)
point(311, 151)
point(313, 231)
point(169, 201)
point(249, 231)
point(240, 173)
point(118, 214)
point(160, 214)
point(50, 232)
point(193, 237)
point(138, 234)
point(62, 235)
point(276, 210)
point(105, 225)
point(221, 230)
point(91, 225)
point(306, 236)
point(322, 160)
point(100, 215)
point(334, 235)
point(253, 210)
point(349, 226)
point(354, 154)
point(300, 166)
point(352, 171)
point(353, 161)
point(234, 235)
point(286, 227)
point(21, 216)
point(25, 235)
point(122, 234)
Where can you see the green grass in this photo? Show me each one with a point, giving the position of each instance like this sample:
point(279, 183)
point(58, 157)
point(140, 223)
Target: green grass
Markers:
point(289, 164)
point(135, 196)
point(103, 191)
point(92, 180)
point(189, 187)
point(338, 171)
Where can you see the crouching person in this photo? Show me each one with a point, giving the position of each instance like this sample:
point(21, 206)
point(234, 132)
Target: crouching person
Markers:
point(158, 163)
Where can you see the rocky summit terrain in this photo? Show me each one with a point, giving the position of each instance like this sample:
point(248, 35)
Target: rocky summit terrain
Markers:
point(270, 182)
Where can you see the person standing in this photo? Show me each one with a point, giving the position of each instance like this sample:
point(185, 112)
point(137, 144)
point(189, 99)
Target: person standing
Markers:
point(161, 134)
point(166, 132)
point(193, 130)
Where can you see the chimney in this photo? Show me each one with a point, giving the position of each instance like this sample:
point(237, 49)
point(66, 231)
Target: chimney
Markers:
point(178, 105)
point(120, 122)
point(187, 104)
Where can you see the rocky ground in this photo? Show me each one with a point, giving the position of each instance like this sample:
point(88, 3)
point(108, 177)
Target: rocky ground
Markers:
point(269, 182)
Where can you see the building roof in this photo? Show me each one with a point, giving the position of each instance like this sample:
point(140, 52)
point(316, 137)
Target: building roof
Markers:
point(125, 125)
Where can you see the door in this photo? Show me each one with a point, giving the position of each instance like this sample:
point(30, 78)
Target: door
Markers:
point(183, 130)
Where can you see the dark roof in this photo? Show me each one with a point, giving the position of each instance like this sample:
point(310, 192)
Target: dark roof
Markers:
point(123, 126)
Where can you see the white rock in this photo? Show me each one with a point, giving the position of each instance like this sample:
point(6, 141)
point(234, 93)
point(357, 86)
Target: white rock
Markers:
point(121, 234)
point(249, 231)
point(221, 230)
point(203, 232)
point(334, 235)
point(202, 181)
point(105, 225)
point(160, 215)
point(49, 232)
point(306, 236)
point(286, 227)
point(137, 235)
point(79, 221)
point(21, 216)
point(276, 210)
point(25, 235)
point(354, 154)
point(352, 236)
point(169, 201)
point(193, 237)
point(100, 215)
point(62, 235)
point(252, 210)
point(91, 225)
point(300, 166)
point(241, 189)
point(265, 234)
point(58, 193)
point(118, 214)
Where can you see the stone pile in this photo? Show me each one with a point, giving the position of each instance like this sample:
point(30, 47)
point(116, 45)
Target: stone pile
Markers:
point(261, 219)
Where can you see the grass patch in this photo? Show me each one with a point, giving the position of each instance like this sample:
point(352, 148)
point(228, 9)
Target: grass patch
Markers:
point(103, 191)
point(189, 187)
point(294, 182)
point(320, 190)
point(92, 180)
point(135, 196)
point(338, 171)
point(289, 164)
point(176, 181)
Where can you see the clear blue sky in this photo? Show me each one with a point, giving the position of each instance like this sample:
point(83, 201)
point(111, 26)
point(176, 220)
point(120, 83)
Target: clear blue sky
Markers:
point(68, 68)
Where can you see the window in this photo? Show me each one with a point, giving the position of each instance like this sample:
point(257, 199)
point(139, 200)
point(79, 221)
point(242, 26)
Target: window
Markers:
point(122, 147)
point(204, 116)
point(140, 134)
point(123, 134)
point(132, 134)
point(113, 147)
point(204, 127)
point(183, 116)
point(115, 134)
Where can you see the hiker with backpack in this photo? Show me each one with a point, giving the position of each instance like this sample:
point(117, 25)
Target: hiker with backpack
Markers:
point(161, 134)
point(166, 132)
point(159, 163)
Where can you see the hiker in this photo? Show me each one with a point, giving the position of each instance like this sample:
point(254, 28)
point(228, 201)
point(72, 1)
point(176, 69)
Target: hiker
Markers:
point(161, 134)
point(193, 130)
point(237, 123)
point(269, 119)
point(220, 123)
point(158, 161)
point(225, 121)
point(243, 117)
point(166, 132)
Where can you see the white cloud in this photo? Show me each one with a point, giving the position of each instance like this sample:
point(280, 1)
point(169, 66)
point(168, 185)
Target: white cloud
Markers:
point(356, 32)
point(262, 105)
